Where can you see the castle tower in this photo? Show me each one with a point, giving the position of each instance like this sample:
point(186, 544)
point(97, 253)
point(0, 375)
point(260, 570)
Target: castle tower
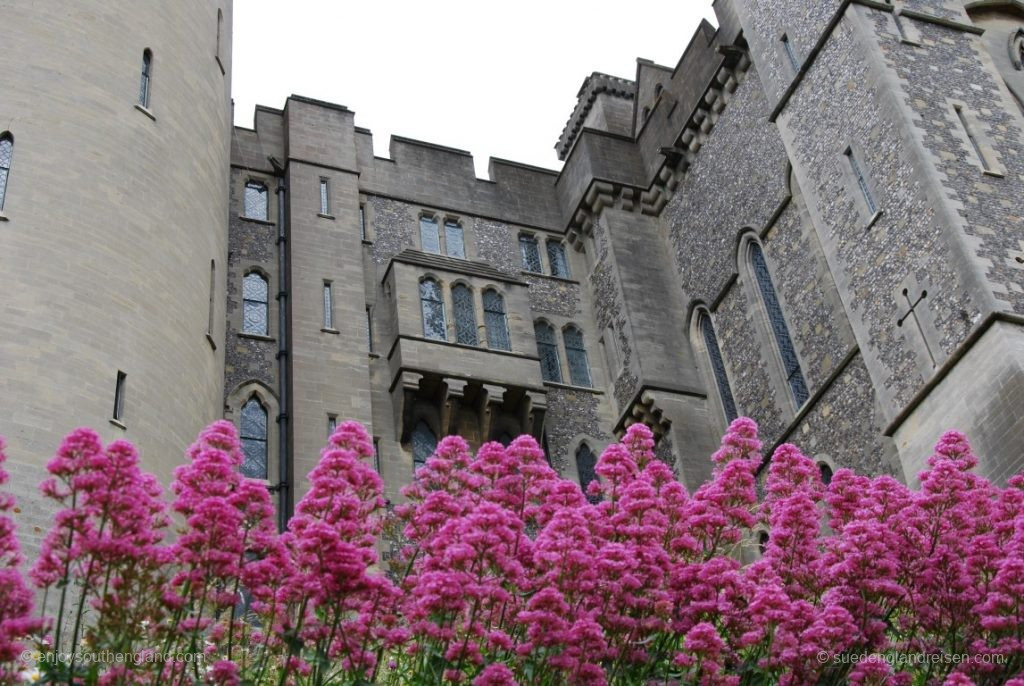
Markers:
point(115, 119)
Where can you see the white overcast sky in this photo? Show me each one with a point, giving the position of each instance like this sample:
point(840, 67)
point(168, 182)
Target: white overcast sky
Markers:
point(497, 79)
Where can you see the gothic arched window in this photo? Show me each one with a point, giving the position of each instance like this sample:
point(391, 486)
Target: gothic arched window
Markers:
point(495, 321)
point(424, 443)
point(6, 152)
point(547, 351)
point(255, 304)
point(586, 462)
point(505, 439)
point(557, 259)
point(254, 439)
point(576, 355)
point(256, 197)
point(145, 85)
point(465, 315)
point(530, 253)
point(707, 330)
point(790, 363)
point(434, 325)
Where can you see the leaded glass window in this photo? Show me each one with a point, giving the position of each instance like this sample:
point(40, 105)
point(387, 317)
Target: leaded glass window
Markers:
point(424, 443)
point(254, 439)
point(147, 77)
point(547, 351)
point(454, 241)
point(586, 462)
point(576, 355)
point(790, 363)
point(256, 197)
point(557, 259)
point(332, 424)
point(434, 325)
point(530, 252)
point(325, 197)
point(707, 329)
point(429, 239)
point(255, 304)
point(495, 321)
point(465, 316)
point(6, 152)
point(328, 306)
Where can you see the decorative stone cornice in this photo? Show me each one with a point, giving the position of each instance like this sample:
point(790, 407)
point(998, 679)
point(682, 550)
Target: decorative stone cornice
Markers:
point(678, 157)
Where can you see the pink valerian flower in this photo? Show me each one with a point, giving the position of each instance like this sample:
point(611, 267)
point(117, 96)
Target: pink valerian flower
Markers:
point(495, 674)
point(703, 651)
point(332, 599)
point(16, 600)
point(722, 509)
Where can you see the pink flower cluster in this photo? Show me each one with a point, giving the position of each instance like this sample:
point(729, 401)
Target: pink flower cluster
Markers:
point(510, 574)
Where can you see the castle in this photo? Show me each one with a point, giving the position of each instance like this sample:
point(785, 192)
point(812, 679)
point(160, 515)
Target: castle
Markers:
point(813, 219)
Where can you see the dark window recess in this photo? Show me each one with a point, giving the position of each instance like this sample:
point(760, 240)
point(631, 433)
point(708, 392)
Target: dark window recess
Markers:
point(707, 329)
point(424, 443)
point(586, 462)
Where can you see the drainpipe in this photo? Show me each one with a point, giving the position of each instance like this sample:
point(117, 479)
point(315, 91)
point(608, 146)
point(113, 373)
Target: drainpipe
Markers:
point(283, 487)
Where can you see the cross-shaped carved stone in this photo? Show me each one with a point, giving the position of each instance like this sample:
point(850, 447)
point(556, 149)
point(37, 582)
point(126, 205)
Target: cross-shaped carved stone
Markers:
point(912, 312)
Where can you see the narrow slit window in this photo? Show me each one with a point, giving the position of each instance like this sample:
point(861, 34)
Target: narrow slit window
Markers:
point(220, 30)
point(530, 253)
point(6, 152)
point(254, 439)
point(146, 85)
point(454, 240)
point(557, 259)
point(969, 130)
point(119, 388)
point(790, 362)
point(332, 424)
point(787, 45)
point(862, 182)
point(256, 200)
point(376, 455)
point(255, 304)
point(362, 222)
point(325, 197)
point(213, 294)
point(434, 325)
point(369, 329)
point(576, 355)
point(547, 351)
point(496, 321)
point(707, 329)
point(465, 315)
point(429, 239)
point(328, 306)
